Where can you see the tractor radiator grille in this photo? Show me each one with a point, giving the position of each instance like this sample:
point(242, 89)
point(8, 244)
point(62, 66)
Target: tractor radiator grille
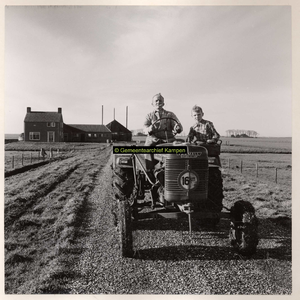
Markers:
point(174, 167)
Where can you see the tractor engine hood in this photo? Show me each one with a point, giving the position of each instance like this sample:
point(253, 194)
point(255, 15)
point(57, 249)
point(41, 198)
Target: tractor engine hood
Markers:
point(192, 151)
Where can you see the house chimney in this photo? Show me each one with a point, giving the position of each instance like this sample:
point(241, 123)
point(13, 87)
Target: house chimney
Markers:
point(59, 110)
point(28, 109)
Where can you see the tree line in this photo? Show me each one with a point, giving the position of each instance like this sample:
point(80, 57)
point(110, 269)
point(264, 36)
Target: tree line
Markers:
point(241, 133)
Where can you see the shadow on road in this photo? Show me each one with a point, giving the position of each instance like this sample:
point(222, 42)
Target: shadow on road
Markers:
point(183, 253)
point(275, 242)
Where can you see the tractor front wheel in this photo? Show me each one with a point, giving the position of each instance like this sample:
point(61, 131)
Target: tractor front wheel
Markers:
point(243, 229)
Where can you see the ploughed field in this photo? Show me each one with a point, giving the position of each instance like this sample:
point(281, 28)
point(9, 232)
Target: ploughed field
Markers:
point(62, 233)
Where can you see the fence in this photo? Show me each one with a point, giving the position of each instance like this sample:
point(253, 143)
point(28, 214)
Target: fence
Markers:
point(22, 159)
point(265, 170)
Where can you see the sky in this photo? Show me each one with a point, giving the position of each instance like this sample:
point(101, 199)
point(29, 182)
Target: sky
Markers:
point(233, 61)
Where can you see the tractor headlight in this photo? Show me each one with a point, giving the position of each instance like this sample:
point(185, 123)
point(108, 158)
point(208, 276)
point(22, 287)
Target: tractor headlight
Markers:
point(124, 161)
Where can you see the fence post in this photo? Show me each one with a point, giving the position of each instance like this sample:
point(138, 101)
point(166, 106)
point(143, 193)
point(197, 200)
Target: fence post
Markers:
point(241, 166)
point(51, 153)
point(276, 175)
point(22, 160)
point(13, 162)
point(38, 155)
point(31, 157)
point(256, 166)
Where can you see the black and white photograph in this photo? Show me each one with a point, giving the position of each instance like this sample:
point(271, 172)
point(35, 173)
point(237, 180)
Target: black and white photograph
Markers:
point(148, 148)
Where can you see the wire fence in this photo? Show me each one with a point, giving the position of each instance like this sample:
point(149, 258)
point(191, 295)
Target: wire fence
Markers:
point(275, 172)
point(16, 159)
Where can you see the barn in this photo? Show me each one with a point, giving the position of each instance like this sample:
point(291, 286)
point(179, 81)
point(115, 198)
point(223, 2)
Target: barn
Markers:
point(119, 132)
point(86, 133)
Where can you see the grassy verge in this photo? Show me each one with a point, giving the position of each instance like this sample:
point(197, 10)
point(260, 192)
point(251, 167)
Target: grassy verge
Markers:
point(270, 200)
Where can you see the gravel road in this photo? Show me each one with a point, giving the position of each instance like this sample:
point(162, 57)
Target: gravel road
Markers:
point(170, 261)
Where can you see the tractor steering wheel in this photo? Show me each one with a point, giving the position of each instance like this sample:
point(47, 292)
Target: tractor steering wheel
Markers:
point(165, 129)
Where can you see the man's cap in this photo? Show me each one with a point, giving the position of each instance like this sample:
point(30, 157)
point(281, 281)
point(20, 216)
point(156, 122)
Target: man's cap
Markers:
point(158, 96)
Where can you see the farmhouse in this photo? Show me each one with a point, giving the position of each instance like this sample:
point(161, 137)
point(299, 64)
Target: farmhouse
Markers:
point(42, 126)
point(119, 132)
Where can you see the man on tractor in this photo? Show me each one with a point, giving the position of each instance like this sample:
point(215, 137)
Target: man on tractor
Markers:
point(160, 126)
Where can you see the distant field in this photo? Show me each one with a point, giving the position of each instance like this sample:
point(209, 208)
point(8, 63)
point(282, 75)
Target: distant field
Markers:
point(265, 143)
point(245, 145)
point(36, 146)
point(11, 136)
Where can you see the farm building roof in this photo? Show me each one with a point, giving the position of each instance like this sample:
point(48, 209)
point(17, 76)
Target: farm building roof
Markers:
point(115, 126)
point(40, 116)
point(89, 128)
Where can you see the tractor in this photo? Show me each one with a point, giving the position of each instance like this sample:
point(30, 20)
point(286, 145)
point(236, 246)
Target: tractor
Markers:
point(181, 184)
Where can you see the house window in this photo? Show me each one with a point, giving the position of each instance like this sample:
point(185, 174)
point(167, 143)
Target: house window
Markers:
point(51, 124)
point(95, 135)
point(89, 135)
point(34, 136)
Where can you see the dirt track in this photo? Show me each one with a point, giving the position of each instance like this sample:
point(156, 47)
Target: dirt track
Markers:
point(169, 260)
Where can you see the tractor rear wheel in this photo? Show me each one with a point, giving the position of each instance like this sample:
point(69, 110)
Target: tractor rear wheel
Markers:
point(243, 230)
point(126, 229)
point(123, 184)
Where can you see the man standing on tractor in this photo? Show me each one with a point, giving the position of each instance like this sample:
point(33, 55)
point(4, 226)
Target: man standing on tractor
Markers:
point(160, 126)
point(202, 130)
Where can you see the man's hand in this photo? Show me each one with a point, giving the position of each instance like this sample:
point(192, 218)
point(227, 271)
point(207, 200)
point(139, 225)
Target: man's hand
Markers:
point(152, 128)
point(212, 141)
point(176, 129)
